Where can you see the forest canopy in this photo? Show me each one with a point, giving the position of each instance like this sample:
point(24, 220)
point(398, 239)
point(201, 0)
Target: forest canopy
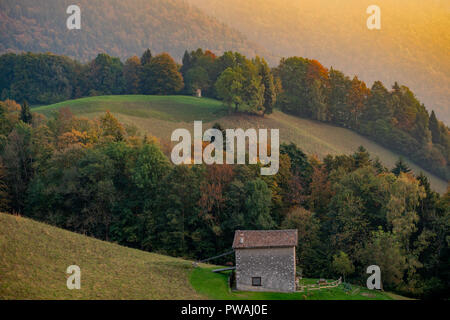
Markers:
point(392, 116)
point(101, 178)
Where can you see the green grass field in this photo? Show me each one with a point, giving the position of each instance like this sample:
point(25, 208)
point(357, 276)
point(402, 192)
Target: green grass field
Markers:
point(160, 115)
point(169, 108)
point(215, 286)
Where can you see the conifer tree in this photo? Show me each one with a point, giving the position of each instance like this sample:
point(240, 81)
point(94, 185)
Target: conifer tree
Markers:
point(434, 128)
point(25, 113)
point(269, 86)
point(400, 166)
point(146, 57)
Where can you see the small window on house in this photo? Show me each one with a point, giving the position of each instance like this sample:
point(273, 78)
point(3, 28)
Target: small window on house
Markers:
point(256, 281)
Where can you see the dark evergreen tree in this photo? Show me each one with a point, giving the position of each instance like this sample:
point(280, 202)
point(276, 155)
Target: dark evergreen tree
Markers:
point(269, 86)
point(434, 128)
point(187, 63)
point(378, 165)
point(146, 57)
point(25, 113)
point(362, 157)
point(300, 165)
point(400, 166)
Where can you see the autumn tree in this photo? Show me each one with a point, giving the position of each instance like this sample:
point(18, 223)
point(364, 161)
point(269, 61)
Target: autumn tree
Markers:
point(161, 76)
point(131, 75)
point(357, 99)
point(318, 86)
point(9, 117)
point(321, 191)
point(111, 127)
point(104, 75)
point(212, 200)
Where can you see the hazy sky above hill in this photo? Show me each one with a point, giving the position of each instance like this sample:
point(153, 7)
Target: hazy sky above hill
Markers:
point(412, 46)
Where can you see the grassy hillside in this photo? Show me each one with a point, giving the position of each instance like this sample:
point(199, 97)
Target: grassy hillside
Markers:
point(160, 115)
point(34, 258)
point(168, 108)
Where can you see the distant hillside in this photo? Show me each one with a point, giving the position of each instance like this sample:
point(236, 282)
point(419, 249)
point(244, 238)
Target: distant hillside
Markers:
point(120, 28)
point(411, 47)
point(160, 115)
point(34, 258)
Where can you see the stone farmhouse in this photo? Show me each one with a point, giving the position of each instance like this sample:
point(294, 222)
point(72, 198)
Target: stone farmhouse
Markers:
point(265, 260)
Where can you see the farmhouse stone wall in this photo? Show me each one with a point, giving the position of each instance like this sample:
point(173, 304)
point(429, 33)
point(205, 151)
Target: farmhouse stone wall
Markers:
point(275, 266)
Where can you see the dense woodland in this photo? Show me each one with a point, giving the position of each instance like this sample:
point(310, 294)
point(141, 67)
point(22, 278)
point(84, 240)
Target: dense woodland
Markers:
point(391, 116)
point(101, 178)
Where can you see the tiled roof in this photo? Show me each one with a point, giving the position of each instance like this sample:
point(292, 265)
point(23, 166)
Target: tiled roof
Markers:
point(265, 238)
